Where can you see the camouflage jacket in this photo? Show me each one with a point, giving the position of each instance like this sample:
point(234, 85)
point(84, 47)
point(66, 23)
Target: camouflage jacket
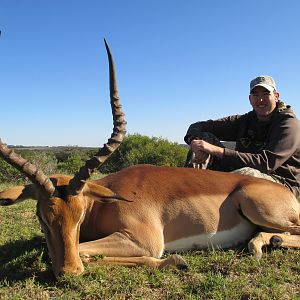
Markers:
point(272, 147)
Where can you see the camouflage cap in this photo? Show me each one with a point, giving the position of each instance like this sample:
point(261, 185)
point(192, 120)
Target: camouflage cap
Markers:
point(265, 81)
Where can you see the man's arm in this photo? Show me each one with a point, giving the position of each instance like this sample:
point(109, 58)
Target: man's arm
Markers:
point(224, 129)
point(284, 142)
point(202, 149)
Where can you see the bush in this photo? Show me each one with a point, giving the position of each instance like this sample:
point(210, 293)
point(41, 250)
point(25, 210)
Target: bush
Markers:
point(138, 149)
point(9, 173)
point(135, 149)
point(43, 160)
point(62, 154)
point(71, 165)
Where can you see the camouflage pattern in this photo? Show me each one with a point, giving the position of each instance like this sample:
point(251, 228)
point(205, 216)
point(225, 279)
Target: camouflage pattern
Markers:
point(256, 173)
point(265, 81)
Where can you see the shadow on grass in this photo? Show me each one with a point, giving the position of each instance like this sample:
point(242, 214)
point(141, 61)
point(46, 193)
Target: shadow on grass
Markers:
point(24, 259)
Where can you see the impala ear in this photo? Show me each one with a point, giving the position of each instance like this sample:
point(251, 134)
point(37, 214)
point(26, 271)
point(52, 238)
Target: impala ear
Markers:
point(17, 194)
point(101, 193)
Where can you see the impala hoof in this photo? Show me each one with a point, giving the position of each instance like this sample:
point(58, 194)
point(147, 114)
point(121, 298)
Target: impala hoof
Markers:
point(6, 202)
point(276, 241)
point(180, 263)
point(176, 261)
point(86, 258)
point(255, 250)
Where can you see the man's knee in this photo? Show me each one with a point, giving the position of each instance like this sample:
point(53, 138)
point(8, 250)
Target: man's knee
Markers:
point(255, 173)
point(248, 171)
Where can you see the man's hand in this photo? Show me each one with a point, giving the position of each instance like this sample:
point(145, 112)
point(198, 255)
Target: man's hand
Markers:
point(202, 149)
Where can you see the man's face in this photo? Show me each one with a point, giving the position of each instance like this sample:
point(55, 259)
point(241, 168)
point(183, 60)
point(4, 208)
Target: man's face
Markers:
point(263, 102)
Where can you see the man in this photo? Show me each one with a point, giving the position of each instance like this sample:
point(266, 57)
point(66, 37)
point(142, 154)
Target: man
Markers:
point(267, 138)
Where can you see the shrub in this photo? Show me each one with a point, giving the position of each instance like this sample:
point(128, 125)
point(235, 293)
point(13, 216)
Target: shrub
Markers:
point(71, 165)
point(62, 154)
point(135, 149)
point(138, 149)
point(9, 173)
point(45, 161)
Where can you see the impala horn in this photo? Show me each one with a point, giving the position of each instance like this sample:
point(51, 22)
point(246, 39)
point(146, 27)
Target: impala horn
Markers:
point(77, 182)
point(27, 168)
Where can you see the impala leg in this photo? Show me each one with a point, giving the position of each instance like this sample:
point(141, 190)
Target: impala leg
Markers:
point(119, 249)
point(123, 245)
point(260, 240)
point(278, 240)
point(271, 207)
point(116, 244)
point(174, 260)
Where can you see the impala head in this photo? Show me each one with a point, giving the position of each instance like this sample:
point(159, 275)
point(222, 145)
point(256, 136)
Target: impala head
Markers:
point(62, 200)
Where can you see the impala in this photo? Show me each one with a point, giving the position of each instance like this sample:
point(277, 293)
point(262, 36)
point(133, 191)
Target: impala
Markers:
point(131, 217)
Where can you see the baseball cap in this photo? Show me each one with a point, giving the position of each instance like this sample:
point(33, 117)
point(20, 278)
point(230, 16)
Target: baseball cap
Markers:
point(265, 81)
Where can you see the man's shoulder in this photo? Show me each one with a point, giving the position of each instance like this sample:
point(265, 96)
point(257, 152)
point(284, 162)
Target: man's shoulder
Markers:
point(285, 112)
point(284, 109)
point(286, 118)
point(250, 115)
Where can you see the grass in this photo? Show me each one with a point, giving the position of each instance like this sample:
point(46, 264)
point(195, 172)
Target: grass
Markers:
point(232, 274)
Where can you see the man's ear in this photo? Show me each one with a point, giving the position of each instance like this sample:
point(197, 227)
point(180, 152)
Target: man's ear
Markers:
point(17, 194)
point(100, 193)
point(250, 100)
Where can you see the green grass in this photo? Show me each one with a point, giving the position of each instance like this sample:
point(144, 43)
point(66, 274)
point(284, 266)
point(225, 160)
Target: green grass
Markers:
point(232, 274)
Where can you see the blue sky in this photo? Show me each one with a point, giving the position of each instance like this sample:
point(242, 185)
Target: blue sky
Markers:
point(177, 62)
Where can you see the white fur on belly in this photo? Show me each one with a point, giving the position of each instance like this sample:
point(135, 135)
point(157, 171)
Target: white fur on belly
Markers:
point(221, 239)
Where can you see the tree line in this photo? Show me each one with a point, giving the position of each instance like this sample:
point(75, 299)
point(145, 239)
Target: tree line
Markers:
point(135, 149)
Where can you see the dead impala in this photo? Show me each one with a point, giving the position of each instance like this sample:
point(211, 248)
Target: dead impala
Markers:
point(131, 217)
